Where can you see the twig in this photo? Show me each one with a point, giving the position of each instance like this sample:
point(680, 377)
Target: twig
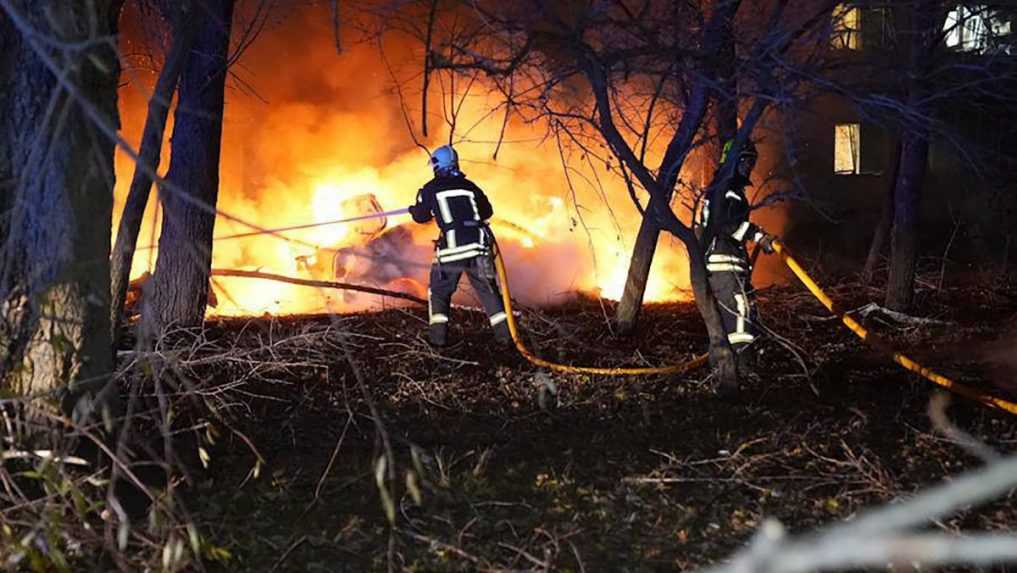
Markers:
point(435, 543)
point(286, 554)
point(579, 559)
point(524, 554)
point(427, 66)
point(331, 462)
point(946, 253)
point(336, 21)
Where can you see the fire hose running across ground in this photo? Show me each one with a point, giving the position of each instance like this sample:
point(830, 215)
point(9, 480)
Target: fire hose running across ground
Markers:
point(506, 297)
point(796, 268)
point(899, 358)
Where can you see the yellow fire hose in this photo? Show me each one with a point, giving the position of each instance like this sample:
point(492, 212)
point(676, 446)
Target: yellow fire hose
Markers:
point(898, 357)
point(698, 361)
point(506, 297)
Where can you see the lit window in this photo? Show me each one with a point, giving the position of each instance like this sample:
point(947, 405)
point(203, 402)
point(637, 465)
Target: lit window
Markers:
point(847, 156)
point(977, 29)
point(847, 24)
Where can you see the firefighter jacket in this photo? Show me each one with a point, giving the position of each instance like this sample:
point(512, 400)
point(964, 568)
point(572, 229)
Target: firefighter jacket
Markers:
point(725, 216)
point(461, 210)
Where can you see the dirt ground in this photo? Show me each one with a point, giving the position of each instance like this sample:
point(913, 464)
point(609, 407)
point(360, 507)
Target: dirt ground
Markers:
point(518, 469)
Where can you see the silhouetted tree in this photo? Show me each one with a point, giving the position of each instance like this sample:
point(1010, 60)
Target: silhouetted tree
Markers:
point(182, 35)
point(885, 224)
point(180, 289)
point(914, 156)
point(58, 108)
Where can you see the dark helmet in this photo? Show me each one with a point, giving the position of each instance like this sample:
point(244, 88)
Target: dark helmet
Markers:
point(748, 151)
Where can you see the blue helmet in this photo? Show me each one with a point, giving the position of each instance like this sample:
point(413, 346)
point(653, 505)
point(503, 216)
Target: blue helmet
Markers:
point(445, 160)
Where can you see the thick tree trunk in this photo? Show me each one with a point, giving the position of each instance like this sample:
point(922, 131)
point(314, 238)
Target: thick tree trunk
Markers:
point(54, 290)
point(8, 49)
point(722, 357)
point(885, 222)
point(180, 284)
point(906, 203)
point(149, 156)
point(928, 21)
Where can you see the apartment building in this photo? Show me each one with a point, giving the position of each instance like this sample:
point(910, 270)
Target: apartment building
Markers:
point(846, 141)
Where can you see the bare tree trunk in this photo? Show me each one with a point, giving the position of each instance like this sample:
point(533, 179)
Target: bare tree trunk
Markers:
point(904, 242)
point(885, 222)
point(149, 155)
point(716, 37)
point(8, 49)
point(54, 287)
point(928, 17)
point(180, 284)
point(722, 357)
point(627, 314)
point(725, 107)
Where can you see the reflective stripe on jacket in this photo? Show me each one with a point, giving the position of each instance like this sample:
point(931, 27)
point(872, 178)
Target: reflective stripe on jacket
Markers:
point(461, 210)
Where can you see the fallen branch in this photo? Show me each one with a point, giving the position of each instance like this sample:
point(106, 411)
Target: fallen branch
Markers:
point(316, 283)
point(881, 535)
point(898, 317)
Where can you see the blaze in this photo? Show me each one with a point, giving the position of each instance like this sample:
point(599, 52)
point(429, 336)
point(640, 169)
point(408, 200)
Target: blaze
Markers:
point(325, 139)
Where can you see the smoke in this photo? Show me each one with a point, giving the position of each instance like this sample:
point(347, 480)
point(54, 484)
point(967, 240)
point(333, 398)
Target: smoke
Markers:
point(306, 129)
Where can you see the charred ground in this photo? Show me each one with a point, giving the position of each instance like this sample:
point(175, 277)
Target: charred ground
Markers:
point(637, 474)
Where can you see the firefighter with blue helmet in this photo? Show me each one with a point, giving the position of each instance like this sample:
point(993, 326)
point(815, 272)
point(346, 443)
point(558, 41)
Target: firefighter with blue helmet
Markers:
point(461, 210)
point(724, 229)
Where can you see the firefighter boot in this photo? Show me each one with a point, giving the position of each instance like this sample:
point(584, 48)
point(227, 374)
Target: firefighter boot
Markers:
point(746, 357)
point(726, 382)
point(502, 335)
point(437, 335)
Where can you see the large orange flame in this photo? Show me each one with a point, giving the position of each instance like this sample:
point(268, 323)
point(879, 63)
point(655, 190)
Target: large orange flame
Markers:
point(325, 133)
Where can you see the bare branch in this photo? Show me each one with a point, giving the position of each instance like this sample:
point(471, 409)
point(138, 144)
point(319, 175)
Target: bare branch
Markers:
point(316, 283)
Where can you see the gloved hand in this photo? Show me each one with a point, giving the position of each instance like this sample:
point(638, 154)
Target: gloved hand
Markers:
point(417, 214)
point(766, 243)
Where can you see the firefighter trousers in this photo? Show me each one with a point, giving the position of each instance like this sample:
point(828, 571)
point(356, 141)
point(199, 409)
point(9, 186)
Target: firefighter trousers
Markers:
point(737, 311)
point(443, 284)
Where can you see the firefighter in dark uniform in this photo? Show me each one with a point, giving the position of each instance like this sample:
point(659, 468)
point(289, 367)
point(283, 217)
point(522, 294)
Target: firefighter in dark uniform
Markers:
point(725, 228)
point(464, 246)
